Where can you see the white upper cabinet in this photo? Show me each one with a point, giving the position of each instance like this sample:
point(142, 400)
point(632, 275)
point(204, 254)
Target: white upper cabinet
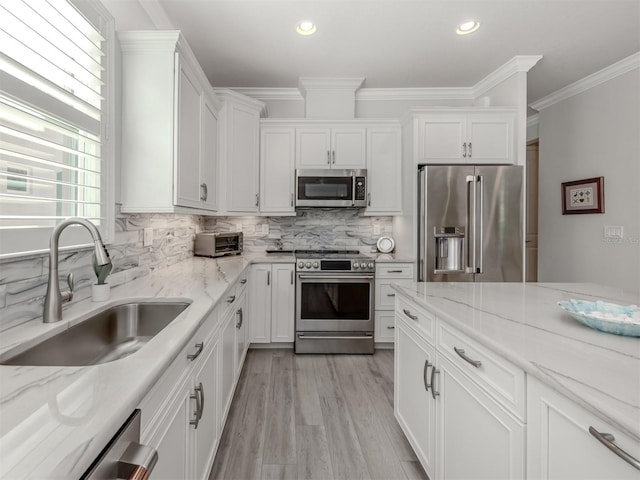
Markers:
point(277, 168)
point(331, 147)
point(169, 126)
point(384, 170)
point(239, 152)
point(467, 137)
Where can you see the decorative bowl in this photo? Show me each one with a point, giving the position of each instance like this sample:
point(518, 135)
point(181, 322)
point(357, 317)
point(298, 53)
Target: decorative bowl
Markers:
point(606, 317)
point(386, 244)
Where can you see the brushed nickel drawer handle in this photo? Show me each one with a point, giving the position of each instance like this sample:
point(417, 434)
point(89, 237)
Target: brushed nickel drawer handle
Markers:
point(243, 281)
point(394, 271)
point(425, 374)
point(199, 347)
point(390, 327)
point(231, 298)
point(391, 294)
point(607, 440)
point(460, 351)
point(434, 394)
point(409, 314)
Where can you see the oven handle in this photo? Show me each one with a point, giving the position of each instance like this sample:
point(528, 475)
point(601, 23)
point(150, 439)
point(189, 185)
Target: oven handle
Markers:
point(336, 337)
point(336, 277)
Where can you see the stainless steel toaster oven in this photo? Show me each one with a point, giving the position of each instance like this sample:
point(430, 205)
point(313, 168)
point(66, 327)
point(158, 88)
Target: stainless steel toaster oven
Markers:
point(218, 244)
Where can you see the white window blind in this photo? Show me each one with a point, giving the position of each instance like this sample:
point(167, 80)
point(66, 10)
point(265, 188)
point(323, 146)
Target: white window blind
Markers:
point(54, 98)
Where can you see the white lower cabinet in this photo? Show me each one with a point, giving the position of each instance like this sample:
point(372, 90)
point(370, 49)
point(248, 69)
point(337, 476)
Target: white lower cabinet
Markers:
point(457, 429)
point(414, 408)
point(272, 303)
point(554, 422)
point(386, 273)
point(184, 413)
point(476, 438)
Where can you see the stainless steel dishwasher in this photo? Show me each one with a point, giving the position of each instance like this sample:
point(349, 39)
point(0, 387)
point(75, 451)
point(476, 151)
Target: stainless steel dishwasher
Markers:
point(124, 457)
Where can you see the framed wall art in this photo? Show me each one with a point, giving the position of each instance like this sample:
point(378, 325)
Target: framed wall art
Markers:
point(583, 196)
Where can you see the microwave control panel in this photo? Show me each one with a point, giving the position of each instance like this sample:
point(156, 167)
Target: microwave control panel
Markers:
point(361, 189)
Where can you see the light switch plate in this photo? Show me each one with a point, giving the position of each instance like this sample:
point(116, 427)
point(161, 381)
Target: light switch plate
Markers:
point(613, 231)
point(265, 229)
point(238, 227)
point(147, 239)
point(376, 229)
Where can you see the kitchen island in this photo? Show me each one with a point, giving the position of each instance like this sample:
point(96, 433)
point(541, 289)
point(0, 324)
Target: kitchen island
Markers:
point(532, 346)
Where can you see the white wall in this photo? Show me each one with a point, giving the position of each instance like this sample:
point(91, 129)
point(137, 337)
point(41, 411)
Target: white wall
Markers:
point(594, 133)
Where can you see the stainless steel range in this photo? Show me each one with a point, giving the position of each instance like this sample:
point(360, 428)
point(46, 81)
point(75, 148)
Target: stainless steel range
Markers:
point(334, 302)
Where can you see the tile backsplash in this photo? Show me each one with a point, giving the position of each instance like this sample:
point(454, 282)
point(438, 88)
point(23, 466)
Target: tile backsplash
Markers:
point(23, 282)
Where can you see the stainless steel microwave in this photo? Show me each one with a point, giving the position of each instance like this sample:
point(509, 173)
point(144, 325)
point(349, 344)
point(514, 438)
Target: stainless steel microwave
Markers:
point(331, 188)
point(218, 244)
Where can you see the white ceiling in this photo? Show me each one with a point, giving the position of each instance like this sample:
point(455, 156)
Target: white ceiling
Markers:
point(393, 43)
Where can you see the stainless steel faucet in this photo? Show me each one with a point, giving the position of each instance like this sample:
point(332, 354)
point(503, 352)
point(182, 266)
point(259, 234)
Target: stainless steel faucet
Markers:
point(54, 297)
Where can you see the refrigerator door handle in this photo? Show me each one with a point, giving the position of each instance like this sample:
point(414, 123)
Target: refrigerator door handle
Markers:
point(480, 214)
point(470, 234)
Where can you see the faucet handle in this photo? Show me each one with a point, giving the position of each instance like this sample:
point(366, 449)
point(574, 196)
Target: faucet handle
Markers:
point(67, 296)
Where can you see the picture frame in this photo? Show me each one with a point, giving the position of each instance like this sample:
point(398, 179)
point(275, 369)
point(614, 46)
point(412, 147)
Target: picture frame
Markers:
point(583, 196)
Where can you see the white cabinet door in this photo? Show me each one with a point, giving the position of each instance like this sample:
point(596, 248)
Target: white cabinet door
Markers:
point(413, 406)
point(260, 303)
point(187, 166)
point(490, 138)
point(243, 136)
point(277, 168)
point(227, 358)
point(476, 437)
point(385, 326)
point(384, 171)
point(313, 147)
point(172, 438)
point(209, 168)
point(282, 303)
point(207, 431)
point(348, 147)
point(560, 446)
point(441, 138)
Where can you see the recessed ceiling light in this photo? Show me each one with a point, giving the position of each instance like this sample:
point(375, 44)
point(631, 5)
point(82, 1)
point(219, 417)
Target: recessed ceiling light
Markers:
point(468, 27)
point(306, 27)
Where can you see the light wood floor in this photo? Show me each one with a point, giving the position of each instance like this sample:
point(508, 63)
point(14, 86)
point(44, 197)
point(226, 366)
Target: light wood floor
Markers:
point(314, 417)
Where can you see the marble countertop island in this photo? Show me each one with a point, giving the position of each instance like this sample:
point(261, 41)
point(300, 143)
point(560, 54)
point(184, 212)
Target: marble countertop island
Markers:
point(523, 323)
point(55, 420)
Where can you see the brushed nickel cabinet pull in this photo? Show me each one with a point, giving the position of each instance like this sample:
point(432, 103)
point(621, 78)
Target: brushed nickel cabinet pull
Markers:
point(390, 327)
point(394, 271)
point(464, 149)
point(409, 314)
point(199, 347)
point(231, 298)
point(434, 394)
point(607, 440)
point(328, 157)
point(460, 352)
point(425, 374)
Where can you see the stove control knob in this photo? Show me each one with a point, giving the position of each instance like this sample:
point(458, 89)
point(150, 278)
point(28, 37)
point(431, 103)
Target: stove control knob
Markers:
point(370, 265)
point(356, 265)
point(300, 264)
point(308, 264)
point(316, 264)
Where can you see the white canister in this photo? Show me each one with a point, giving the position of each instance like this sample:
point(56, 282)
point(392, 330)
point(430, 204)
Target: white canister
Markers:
point(100, 293)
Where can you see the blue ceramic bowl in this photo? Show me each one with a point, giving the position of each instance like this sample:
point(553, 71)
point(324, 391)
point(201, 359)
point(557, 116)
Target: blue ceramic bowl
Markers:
point(593, 314)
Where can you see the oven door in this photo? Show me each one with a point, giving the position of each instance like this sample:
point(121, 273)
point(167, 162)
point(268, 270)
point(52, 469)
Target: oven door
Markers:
point(334, 302)
point(324, 188)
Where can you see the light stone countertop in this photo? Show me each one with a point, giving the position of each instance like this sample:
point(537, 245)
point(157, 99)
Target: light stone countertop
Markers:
point(55, 420)
point(523, 323)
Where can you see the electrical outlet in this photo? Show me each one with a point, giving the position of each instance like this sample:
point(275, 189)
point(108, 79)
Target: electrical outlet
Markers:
point(238, 227)
point(147, 239)
point(265, 229)
point(613, 231)
point(376, 229)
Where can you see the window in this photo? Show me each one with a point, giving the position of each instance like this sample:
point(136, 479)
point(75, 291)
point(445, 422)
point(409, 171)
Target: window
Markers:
point(55, 106)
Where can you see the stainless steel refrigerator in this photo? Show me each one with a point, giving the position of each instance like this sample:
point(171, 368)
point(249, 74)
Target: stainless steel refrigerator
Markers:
point(470, 223)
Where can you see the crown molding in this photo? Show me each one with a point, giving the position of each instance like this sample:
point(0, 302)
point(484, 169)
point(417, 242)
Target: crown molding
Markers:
point(407, 94)
point(519, 63)
point(608, 73)
point(349, 84)
point(533, 120)
point(225, 94)
point(149, 40)
point(265, 94)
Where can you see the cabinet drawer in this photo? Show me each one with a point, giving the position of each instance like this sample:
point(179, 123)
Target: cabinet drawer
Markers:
point(154, 403)
point(385, 326)
point(497, 376)
point(417, 317)
point(385, 295)
point(394, 270)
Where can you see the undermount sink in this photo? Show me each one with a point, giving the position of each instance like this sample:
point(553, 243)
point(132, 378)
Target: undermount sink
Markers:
point(109, 335)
